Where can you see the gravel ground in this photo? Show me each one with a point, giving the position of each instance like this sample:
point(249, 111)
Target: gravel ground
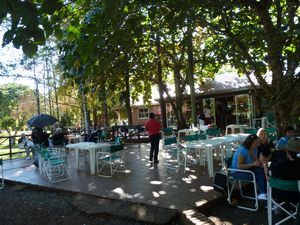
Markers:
point(21, 205)
point(27, 205)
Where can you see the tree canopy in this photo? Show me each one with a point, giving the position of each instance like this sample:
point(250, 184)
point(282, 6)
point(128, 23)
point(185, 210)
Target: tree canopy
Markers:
point(119, 49)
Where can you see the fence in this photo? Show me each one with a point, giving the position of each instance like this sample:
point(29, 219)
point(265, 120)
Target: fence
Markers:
point(9, 147)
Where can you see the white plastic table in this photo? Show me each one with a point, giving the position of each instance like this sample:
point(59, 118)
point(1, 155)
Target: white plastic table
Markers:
point(91, 147)
point(213, 143)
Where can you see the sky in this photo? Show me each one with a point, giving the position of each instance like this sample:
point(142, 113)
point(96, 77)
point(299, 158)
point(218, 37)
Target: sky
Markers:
point(9, 54)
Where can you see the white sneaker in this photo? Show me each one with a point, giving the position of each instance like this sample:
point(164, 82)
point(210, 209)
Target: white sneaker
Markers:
point(262, 196)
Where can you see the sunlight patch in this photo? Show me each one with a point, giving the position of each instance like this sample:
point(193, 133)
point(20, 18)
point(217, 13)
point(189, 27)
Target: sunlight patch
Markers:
point(201, 202)
point(91, 186)
point(155, 194)
point(127, 171)
point(156, 182)
point(206, 188)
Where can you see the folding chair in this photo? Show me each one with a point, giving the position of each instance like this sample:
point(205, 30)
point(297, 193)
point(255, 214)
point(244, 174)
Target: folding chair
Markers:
point(55, 165)
point(250, 130)
point(192, 154)
point(2, 174)
point(233, 182)
point(173, 153)
point(109, 160)
point(213, 132)
point(272, 133)
point(282, 193)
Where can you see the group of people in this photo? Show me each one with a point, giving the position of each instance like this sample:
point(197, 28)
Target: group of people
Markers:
point(40, 137)
point(257, 153)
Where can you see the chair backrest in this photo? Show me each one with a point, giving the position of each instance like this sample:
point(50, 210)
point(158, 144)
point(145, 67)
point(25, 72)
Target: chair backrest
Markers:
point(59, 142)
point(170, 140)
point(285, 185)
point(250, 131)
point(116, 148)
point(191, 137)
point(213, 131)
point(168, 131)
point(271, 130)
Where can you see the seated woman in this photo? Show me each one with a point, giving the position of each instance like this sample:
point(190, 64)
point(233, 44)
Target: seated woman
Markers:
point(245, 158)
point(265, 149)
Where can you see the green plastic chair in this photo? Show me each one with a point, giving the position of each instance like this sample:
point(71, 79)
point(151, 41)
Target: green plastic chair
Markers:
point(2, 174)
point(289, 188)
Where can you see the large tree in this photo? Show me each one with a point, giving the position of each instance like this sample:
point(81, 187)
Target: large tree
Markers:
point(262, 37)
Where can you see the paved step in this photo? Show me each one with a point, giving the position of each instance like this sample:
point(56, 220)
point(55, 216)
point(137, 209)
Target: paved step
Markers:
point(141, 212)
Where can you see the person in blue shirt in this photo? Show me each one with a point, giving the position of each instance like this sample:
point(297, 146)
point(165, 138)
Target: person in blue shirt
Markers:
point(289, 133)
point(245, 158)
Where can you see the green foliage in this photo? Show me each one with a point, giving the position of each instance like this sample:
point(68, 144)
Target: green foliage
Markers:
point(12, 95)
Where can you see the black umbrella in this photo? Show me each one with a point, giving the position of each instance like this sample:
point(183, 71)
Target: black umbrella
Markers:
point(41, 120)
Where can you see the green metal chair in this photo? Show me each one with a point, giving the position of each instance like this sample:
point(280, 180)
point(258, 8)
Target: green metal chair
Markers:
point(173, 153)
point(272, 133)
point(271, 119)
point(250, 130)
point(55, 166)
point(168, 131)
point(233, 182)
point(2, 174)
point(288, 195)
point(213, 132)
point(109, 160)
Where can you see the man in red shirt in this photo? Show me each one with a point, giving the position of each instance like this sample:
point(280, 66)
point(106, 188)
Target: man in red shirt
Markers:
point(153, 129)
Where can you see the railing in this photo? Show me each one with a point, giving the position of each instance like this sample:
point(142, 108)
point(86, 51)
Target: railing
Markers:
point(135, 133)
point(12, 142)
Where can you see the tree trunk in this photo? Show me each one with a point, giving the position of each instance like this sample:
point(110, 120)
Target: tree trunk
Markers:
point(191, 75)
point(127, 98)
point(181, 123)
point(103, 99)
point(160, 83)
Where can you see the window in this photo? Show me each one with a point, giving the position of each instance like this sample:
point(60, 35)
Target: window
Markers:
point(143, 113)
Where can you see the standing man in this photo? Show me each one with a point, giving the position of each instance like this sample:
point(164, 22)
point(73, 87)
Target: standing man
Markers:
point(153, 129)
point(207, 115)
